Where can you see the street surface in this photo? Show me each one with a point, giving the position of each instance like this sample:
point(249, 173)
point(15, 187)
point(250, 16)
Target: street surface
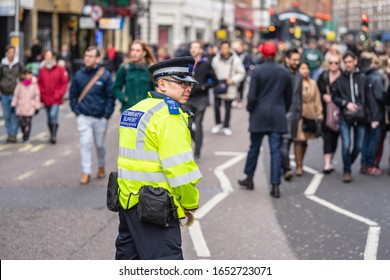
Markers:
point(46, 214)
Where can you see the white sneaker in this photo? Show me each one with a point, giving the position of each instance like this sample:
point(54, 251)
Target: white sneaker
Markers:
point(216, 128)
point(227, 131)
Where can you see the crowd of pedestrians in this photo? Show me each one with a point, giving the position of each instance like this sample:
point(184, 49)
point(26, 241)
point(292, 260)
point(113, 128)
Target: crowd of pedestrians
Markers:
point(333, 89)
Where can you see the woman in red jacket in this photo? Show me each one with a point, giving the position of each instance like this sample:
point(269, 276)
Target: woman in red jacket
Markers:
point(53, 83)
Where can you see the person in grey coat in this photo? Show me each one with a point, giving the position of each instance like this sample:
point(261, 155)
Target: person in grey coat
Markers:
point(269, 99)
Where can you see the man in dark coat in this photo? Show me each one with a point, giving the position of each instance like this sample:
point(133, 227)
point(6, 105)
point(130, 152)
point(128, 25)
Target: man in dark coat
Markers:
point(269, 99)
point(199, 99)
point(292, 60)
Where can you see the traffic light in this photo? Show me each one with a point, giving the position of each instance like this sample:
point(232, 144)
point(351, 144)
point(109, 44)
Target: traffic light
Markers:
point(364, 22)
point(292, 21)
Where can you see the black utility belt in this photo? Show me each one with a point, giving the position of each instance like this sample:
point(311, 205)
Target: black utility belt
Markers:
point(156, 206)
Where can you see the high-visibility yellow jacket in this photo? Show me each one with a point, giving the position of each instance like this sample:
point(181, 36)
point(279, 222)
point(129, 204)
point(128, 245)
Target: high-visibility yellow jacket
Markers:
point(155, 149)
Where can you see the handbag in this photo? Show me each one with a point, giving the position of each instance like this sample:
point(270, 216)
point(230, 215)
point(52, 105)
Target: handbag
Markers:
point(332, 115)
point(221, 87)
point(358, 115)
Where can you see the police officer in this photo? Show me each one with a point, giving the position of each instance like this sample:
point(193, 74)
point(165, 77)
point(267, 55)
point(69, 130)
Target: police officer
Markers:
point(155, 150)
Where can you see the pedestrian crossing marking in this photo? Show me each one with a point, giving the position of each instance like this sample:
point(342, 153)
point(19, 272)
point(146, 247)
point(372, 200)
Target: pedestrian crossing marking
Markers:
point(25, 148)
point(24, 175)
point(37, 148)
point(49, 162)
point(67, 153)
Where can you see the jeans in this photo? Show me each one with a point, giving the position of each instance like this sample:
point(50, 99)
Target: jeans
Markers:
point(228, 108)
point(358, 135)
point(370, 143)
point(52, 113)
point(275, 143)
point(314, 73)
point(91, 128)
point(10, 119)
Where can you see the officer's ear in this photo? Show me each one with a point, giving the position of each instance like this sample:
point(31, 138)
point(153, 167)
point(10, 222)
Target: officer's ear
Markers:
point(161, 85)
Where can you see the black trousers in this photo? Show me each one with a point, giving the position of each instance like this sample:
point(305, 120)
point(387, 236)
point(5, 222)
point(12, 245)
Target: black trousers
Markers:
point(330, 140)
point(286, 144)
point(142, 241)
point(217, 112)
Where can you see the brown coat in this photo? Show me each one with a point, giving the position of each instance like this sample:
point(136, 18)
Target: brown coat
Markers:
point(26, 99)
point(311, 108)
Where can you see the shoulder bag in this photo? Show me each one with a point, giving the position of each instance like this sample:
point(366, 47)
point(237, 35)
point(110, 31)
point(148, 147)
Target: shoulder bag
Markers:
point(358, 115)
point(332, 114)
point(90, 84)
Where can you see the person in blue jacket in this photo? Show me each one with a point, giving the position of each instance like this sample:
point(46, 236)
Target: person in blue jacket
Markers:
point(93, 109)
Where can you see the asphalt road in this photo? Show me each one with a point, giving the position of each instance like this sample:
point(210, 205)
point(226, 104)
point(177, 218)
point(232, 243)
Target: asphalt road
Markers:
point(46, 214)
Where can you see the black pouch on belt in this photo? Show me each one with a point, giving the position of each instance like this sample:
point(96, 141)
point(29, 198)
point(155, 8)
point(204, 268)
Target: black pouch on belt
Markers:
point(154, 205)
point(112, 192)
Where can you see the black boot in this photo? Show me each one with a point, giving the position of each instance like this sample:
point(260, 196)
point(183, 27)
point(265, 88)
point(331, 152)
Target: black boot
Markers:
point(53, 136)
point(247, 183)
point(50, 126)
point(275, 192)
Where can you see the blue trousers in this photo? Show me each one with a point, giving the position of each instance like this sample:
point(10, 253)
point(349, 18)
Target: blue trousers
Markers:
point(349, 156)
point(370, 143)
point(52, 113)
point(10, 119)
point(142, 241)
point(275, 143)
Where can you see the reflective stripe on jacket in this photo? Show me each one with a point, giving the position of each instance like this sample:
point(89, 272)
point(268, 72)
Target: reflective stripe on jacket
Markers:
point(155, 149)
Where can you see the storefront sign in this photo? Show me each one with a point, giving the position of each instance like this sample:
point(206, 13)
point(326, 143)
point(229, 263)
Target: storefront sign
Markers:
point(86, 23)
point(111, 23)
point(7, 8)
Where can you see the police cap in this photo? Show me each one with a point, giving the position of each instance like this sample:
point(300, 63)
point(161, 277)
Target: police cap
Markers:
point(180, 68)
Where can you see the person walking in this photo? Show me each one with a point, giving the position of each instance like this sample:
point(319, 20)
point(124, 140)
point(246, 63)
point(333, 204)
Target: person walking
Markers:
point(133, 81)
point(10, 70)
point(311, 117)
point(53, 83)
point(314, 58)
point(386, 123)
point(269, 99)
point(292, 60)
point(229, 67)
point(242, 52)
point(325, 84)
point(93, 102)
point(199, 99)
point(156, 158)
point(26, 101)
point(371, 136)
point(352, 96)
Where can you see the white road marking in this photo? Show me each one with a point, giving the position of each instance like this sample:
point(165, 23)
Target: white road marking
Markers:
point(37, 148)
point(25, 148)
point(24, 175)
point(67, 152)
point(195, 230)
point(49, 162)
point(374, 229)
point(198, 240)
point(2, 123)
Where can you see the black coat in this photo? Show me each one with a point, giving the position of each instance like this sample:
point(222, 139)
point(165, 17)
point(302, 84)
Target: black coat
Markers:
point(342, 94)
point(206, 78)
point(269, 98)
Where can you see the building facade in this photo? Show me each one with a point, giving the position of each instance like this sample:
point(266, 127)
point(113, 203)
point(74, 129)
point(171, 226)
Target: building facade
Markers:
point(348, 14)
